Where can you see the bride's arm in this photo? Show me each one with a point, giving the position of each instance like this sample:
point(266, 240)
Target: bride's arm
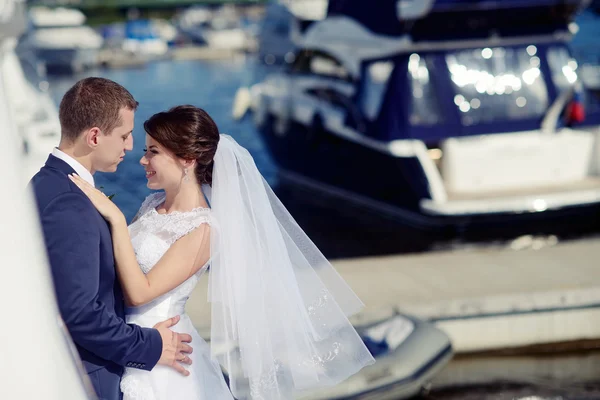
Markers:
point(183, 259)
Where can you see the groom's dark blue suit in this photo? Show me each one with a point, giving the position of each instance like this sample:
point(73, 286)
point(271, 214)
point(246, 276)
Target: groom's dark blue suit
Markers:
point(89, 297)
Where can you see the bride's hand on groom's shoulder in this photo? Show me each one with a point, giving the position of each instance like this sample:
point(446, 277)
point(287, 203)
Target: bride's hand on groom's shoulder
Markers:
point(103, 204)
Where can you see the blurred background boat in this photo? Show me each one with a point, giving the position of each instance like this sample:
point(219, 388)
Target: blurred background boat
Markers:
point(446, 115)
point(140, 37)
point(33, 112)
point(218, 28)
point(61, 39)
point(283, 25)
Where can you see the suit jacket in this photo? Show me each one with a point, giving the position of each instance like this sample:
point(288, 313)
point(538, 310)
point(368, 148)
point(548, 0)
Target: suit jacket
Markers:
point(90, 299)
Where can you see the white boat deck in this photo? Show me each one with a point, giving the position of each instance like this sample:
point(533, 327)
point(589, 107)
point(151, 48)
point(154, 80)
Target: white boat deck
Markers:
point(484, 298)
point(589, 183)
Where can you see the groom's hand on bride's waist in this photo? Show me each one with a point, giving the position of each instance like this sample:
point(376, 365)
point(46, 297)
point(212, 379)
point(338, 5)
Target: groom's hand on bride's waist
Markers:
point(175, 350)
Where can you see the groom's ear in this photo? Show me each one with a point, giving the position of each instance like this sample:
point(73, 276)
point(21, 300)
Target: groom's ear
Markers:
point(92, 137)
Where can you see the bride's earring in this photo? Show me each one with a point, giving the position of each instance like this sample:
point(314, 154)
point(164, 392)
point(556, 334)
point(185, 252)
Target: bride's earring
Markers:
point(186, 177)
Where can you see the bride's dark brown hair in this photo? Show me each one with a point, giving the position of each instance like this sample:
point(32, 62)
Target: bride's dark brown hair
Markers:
point(189, 133)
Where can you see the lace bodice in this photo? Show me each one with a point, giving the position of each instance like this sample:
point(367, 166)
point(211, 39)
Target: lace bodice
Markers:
point(151, 235)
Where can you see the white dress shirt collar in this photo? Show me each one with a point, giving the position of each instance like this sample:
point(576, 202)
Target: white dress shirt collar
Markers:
point(80, 169)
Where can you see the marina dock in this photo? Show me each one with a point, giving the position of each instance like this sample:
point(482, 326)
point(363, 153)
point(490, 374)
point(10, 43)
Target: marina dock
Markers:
point(485, 299)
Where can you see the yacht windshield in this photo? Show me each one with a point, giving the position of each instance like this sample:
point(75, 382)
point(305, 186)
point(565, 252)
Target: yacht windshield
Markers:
point(495, 84)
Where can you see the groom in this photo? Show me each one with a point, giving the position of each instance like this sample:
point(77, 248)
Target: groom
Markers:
point(96, 117)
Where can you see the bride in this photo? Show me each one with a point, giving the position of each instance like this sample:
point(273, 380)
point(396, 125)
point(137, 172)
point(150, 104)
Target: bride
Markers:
point(279, 324)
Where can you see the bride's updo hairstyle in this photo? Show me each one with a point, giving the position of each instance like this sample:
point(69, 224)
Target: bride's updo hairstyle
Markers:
point(189, 133)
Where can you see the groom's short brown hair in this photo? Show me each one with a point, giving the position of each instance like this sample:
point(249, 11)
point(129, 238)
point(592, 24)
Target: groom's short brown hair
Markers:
point(93, 102)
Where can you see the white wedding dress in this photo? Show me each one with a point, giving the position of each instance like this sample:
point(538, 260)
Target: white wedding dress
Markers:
point(152, 234)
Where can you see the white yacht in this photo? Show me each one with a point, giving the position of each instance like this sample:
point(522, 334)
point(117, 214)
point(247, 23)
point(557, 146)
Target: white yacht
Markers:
point(142, 37)
point(33, 113)
point(62, 40)
point(57, 369)
point(448, 115)
point(218, 29)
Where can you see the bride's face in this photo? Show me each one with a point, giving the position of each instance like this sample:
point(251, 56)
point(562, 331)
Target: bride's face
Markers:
point(163, 169)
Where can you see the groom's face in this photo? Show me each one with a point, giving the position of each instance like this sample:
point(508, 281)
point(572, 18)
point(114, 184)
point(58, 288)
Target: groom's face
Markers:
point(112, 146)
